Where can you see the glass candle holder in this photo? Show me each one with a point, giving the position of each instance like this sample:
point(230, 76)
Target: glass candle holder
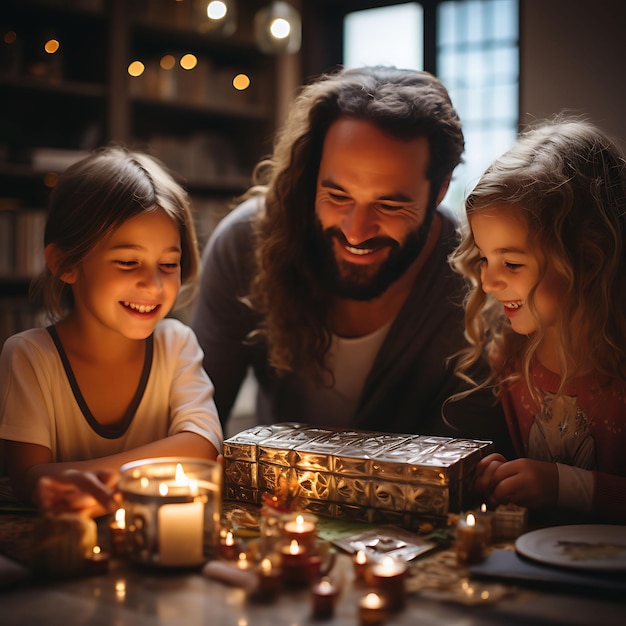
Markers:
point(173, 510)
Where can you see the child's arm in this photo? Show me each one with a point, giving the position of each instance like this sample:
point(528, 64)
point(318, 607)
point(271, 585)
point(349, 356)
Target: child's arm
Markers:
point(27, 463)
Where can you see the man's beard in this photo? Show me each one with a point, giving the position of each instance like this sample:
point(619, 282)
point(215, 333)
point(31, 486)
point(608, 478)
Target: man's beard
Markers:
point(364, 282)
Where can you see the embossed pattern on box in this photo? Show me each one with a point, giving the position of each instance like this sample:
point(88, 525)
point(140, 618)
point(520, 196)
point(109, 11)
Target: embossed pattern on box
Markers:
point(354, 475)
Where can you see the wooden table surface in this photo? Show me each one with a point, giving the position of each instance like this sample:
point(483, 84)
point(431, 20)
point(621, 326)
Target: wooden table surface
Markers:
point(131, 595)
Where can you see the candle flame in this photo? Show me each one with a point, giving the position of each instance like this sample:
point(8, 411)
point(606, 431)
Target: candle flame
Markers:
point(372, 601)
point(483, 508)
point(97, 549)
point(230, 540)
point(180, 474)
point(163, 489)
point(361, 557)
point(120, 518)
point(294, 547)
point(471, 519)
point(266, 566)
point(299, 520)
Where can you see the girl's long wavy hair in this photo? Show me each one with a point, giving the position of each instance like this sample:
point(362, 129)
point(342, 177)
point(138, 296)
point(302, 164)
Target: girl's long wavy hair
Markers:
point(566, 181)
point(286, 290)
point(95, 196)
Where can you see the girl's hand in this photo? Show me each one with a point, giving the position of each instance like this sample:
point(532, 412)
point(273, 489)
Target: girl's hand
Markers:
point(484, 481)
point(525, 482)
point(90, 494)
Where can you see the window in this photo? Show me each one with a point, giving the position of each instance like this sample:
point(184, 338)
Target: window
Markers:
point(392, 35)
point(476, 58)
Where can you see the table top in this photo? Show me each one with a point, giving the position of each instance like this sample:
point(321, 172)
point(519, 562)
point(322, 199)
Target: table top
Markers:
point(129, 594)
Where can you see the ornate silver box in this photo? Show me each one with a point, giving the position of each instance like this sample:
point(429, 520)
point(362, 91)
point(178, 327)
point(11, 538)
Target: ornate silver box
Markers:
point(356, 475)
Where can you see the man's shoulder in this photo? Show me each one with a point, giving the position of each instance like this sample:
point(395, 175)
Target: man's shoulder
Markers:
point(240, 221)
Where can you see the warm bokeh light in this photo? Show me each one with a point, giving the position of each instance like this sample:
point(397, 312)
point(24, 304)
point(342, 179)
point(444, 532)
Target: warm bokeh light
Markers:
point(51, 46)
point(188, 61)
point(280, 28)
point(10, 36)
point(51, 179)
point(136, 68)
point(241, 82)
point(216, 10)
point(167, 62)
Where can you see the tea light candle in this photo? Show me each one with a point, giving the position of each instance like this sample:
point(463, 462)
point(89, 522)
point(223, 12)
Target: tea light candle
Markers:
point(302, 530)
point(228, 548)
point(295, 564)
point(371, 610)
point(242, 561)
point(269, 583)
point(486, 519)
point(117, 532)
point(470, 540)
point(360, 564)
point(97, 563)
point(324, 595)
point(388, 577)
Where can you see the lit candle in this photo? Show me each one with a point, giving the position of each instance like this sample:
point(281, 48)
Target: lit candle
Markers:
point(117, 530)
point(295, 564)
point(97, 563)
point(302, 530)
point(181, 525)
point(470, 540)
point(360, 565)
point(485, 518)
point(388, 577)
point(228, 549)
point(371, 610)
point(324, 595)
point(269, 583)
point(242, 561)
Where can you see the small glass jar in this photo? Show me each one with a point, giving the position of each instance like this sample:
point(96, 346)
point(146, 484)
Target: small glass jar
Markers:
point(173, 510)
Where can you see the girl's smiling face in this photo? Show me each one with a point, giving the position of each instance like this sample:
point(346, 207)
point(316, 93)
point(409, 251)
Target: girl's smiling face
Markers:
point(130, 280)
point(510, 268)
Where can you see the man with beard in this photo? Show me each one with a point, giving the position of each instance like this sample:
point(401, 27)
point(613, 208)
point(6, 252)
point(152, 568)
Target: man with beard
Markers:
point(331, 280)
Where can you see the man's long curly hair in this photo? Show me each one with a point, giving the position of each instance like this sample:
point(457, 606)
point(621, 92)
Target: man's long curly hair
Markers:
point(286, 291)
point(566, 181)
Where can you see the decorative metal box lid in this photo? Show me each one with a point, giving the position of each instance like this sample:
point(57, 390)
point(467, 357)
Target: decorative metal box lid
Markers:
point(357, 475)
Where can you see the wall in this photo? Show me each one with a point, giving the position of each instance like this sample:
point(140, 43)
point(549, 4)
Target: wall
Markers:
point(573, 56)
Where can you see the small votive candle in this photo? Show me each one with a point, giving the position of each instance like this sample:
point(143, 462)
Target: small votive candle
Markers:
point(486, 518)
point(388, 578)
point(371, 610)
point(471, 539)
point(97, 563)
point(228, 547)
point(324, 595)
point(361, 565)
point(302, 529)
point(269, 584)
point(242, 561)
point(117, 531)
point(295, 564)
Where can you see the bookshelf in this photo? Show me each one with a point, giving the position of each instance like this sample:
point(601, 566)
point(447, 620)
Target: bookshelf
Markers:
point(55, 107)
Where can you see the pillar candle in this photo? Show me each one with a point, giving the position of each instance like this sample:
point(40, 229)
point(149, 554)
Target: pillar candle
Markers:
point(181, 528)
point(295, 565)
point(371, 610)
point(388, 578)
point(301, 529)
point(471, 539)
point(324, 594)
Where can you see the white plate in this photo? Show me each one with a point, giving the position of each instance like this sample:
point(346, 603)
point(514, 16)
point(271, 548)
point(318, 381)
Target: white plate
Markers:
point(584, 546)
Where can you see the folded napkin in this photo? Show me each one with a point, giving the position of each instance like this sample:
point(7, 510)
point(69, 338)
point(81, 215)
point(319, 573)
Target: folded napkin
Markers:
point(509, 567)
